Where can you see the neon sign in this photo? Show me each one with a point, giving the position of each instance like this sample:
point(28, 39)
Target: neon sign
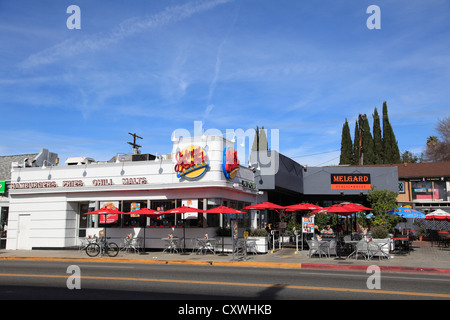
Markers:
point(230, 164)
point(192, 162)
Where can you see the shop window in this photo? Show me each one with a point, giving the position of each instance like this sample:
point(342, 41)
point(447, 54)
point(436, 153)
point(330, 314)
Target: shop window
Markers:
point(170, 220)
point(133, 221)
point(213, 220)
point(3, 226)
point(429, 190)
point(401, 187)
point(110, 220)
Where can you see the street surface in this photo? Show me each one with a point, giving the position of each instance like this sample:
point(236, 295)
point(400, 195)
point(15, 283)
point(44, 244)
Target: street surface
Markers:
point(50, 280)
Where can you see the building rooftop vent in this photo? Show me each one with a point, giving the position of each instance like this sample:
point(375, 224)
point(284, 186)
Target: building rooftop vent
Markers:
point(73, 161)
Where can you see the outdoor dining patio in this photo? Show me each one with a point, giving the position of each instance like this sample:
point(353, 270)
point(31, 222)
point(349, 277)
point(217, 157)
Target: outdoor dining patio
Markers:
point(349, 240)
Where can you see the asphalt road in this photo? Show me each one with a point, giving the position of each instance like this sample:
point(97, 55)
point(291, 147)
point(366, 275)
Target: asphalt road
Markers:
point(45, 280)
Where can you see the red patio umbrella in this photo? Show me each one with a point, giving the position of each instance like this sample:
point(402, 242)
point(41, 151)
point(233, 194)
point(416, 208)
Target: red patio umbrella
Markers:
point(222, 210)
point(105, 212)
point(145, 212)
point(263, 206)
point(438, 214)
point(183, 209)
point(338, 208)
point(302, 206)
point(355, 206)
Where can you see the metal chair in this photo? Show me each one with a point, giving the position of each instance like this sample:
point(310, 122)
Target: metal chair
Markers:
point(362, 247)
point(136, 244)
point(83, 244)
point(332, 248)
point(251, 246)
point(314, 248)
point(171, 245)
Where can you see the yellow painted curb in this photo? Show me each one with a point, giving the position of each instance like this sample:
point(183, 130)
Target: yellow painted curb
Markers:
point(157, 261)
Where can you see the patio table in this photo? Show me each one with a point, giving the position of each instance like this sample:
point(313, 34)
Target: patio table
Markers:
point(171, 244)
point(206, 244)
point(131, 244)
point(404, 243)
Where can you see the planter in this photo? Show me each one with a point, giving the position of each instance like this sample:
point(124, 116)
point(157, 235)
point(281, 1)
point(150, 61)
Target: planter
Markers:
point(387, 247)
point(254, 244)
point(257, 244)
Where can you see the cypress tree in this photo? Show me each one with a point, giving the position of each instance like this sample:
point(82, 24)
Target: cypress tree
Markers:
point(377, 141)
point(356, 144)
point(391, 153)
point(367, 141)
point(263, 144)
point(346, 145)
point(260, 141)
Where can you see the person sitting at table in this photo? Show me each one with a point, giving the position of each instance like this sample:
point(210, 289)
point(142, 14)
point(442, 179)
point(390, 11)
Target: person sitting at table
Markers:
point(269, 235)
point(327, 230)
point(317, 233)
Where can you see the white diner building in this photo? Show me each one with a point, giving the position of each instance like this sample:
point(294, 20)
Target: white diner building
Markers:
point(47, 204)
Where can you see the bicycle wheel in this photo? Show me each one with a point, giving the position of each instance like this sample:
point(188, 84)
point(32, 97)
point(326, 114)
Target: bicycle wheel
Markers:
point(112, 249)
point(93, 249)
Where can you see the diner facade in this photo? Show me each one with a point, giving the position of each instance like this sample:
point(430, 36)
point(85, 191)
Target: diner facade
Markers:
point(47, 205)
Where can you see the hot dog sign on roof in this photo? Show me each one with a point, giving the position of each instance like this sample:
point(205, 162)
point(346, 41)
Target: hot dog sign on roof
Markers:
point(192, 162)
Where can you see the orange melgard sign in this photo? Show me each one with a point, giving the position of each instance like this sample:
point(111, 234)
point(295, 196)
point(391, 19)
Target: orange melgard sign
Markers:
point(352, 181)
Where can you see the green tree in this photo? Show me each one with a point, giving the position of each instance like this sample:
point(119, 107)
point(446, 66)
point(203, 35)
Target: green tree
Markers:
point(366, 141)
point(356, 145)
point(321, 220)
point(409, 157)
point(346, 145)
point(382, 201)
point(391, 153)
point(260, 141)
point(377, 140)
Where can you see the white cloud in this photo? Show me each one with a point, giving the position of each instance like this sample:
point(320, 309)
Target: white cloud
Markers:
point(69, 48)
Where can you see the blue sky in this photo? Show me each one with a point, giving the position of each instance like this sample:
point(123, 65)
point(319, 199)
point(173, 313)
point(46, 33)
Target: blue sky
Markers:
point(154, 66)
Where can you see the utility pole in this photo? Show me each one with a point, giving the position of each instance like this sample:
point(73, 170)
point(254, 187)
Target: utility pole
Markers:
point(135, 146)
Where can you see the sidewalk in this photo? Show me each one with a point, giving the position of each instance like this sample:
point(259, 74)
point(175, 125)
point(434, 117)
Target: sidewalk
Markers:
point(423, 258)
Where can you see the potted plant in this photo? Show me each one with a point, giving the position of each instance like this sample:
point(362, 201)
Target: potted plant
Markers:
point(422, 233)
point(381, 235)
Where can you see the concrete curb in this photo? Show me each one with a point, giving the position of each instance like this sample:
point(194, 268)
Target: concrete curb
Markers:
point(382, 268)
point(285, 265)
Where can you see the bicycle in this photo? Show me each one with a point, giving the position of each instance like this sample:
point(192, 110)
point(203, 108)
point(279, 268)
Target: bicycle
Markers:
point(95, 248)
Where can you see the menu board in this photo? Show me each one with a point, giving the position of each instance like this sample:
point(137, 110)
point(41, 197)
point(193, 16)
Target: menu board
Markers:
point(308, 224)
point(234, 228)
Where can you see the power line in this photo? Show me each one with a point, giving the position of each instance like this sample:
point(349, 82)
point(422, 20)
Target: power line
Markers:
point(315, 154)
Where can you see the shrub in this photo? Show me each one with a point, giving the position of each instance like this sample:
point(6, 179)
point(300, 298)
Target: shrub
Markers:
point(379, 232)
point(257, 233)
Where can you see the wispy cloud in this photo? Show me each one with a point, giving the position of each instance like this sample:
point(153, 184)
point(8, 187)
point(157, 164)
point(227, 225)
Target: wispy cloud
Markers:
point(213, 84)
point(127, 28)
